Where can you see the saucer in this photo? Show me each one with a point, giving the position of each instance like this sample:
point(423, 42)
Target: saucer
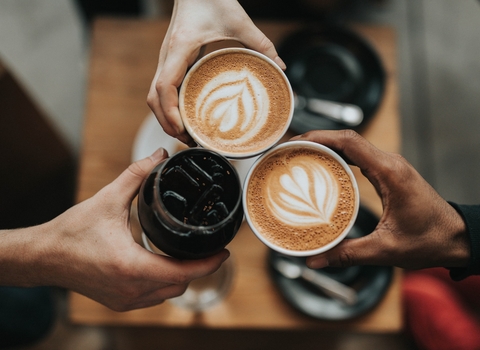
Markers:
point(370, 282)
point(336, 64)
point(150, 137)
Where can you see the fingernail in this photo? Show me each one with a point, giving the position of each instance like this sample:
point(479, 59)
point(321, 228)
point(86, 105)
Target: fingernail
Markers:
point(318, 262)
point(280, 62)
point(158, 155)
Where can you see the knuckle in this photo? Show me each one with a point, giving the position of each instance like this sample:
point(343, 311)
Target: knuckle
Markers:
point(139, 169)
point(160, 86)
point(350, 135)
point(178, 290)
point(135, 168)
point(131, 293)
point(346, 258)
point(120, 307)
point(151, 98)
point(180, 279)
point(266, 44)
point(309, 135)
point(398, 169)
point(123, 272)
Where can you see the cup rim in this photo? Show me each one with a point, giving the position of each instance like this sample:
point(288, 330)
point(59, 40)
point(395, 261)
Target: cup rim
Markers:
point(319, 250)
point(190, 227)
point(181, 104)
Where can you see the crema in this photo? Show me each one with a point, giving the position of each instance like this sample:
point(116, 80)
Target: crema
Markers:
point(236, 102)
point(300, 198)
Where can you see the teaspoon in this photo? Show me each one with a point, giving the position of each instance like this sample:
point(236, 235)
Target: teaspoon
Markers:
point(326, 284)
point(344, 113)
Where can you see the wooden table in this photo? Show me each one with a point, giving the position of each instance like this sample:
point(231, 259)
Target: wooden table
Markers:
point(123, 61)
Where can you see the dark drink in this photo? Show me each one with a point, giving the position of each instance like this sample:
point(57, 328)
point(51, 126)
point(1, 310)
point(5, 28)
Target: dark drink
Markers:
point(190, 205)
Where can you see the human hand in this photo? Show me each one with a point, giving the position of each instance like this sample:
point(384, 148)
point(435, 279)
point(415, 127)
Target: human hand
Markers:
point(90, 249)
point(418, 228)
point(195, 23)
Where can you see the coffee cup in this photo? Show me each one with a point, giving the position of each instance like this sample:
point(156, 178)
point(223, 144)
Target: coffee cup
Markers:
point(300, 198)
point(236, 102)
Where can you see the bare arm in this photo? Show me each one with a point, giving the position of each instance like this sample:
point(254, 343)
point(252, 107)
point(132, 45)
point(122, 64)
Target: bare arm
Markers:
point(90, 249)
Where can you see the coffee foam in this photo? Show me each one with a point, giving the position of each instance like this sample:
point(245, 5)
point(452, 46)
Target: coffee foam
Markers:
point(237, 103)
point(300, 199)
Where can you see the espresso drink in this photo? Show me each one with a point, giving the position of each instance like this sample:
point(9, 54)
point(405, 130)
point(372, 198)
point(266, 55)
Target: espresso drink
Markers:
point(190, 205)
point(236, 102)
point(300, 198)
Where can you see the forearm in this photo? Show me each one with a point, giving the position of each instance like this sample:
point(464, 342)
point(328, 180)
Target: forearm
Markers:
point(22, 256)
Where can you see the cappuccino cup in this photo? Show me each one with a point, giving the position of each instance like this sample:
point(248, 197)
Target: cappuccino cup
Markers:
point(236, 102)
point(300, 198)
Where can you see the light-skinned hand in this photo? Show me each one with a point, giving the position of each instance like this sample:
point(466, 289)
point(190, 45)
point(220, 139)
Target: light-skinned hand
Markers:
point(195, 23)
point(90, 249)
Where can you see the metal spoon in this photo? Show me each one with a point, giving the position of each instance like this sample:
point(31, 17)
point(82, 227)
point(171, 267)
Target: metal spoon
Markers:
point(328, 285)
point(344, 113)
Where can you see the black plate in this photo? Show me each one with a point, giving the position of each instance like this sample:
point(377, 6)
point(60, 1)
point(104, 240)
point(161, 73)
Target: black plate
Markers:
point(336, 64)
point(370, 282)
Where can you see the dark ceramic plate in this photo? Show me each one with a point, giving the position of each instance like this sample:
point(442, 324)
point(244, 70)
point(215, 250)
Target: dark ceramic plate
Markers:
point(332, 63)
point(370, 282)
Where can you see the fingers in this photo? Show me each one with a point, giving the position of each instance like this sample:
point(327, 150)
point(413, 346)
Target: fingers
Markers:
point(163, 95)
point(355, 149)
point(168, 98)
point(245, 31)
point(151, 298)
point(162, 277)
point(173, 271)
point(126, 185)
point(253, 38)
point(351, 252)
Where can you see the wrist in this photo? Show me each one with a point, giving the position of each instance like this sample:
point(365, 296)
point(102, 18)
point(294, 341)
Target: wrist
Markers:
point(470, 215)
point(460, 251)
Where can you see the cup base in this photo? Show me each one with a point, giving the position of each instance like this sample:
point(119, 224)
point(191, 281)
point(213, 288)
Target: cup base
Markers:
point(203, 292)
point(206, 292)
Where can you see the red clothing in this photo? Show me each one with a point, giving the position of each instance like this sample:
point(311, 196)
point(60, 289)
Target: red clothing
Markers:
point(441, 313)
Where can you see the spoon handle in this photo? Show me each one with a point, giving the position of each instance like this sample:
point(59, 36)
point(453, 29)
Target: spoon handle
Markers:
point(347, 114)
point(330, 286)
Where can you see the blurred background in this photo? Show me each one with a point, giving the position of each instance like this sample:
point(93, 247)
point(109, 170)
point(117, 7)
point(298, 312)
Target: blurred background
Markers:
point(45, 45)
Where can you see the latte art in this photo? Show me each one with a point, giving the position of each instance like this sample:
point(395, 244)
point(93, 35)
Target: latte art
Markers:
point(234, 103)
point(300, 197)
point(306, 194)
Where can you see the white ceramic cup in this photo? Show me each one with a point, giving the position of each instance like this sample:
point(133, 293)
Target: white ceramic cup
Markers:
point(233, 85)
point(294, 145)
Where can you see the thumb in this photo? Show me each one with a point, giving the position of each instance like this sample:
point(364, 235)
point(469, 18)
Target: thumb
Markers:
point(126, 185)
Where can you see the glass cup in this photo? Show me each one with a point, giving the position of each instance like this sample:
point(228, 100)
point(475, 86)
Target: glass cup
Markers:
point(190, 206)
point(204, 292)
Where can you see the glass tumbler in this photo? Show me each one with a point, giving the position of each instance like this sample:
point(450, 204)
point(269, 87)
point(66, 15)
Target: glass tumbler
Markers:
point(190, 206)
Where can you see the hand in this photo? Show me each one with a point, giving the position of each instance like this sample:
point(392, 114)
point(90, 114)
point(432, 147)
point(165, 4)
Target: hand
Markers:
point(195, 23)
point(90, 250)
point(418, 228)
